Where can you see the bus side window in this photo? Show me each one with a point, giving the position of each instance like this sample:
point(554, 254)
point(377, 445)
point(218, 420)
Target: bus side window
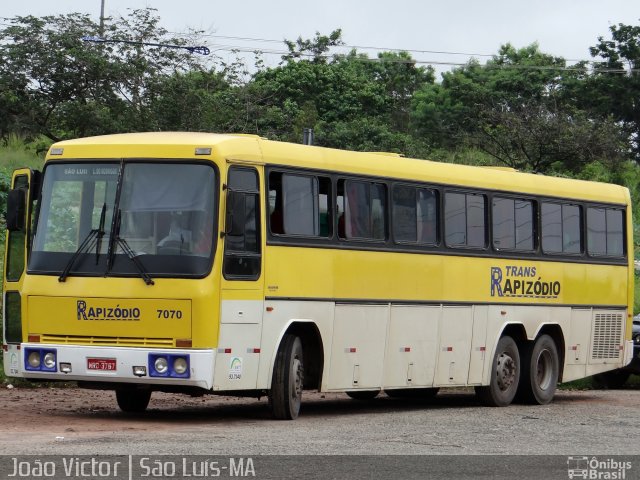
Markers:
point(414, 215)
point(605, 232)
point(464, 220)
point(364, 214)
point(561, 228)
point(299, 204)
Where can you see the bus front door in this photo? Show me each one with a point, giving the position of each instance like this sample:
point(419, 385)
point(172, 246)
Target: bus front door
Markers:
point(19, 211)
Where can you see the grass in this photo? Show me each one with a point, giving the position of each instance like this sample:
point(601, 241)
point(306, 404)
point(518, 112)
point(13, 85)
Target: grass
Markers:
point(15, 153)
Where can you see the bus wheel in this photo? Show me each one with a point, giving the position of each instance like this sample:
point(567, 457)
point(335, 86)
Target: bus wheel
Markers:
point(417, 393)
point(505, 375)
point(364, 394)
point(540, 371)
point(133, 401)
point(288, 378)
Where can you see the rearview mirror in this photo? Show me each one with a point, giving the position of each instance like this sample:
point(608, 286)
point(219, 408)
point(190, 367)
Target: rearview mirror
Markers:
point(16, 204)
point(235, 215)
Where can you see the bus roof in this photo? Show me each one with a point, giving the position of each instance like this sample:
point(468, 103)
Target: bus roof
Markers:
point(181, 145)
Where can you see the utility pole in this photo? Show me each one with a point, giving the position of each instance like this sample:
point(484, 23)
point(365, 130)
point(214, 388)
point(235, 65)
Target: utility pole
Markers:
point(307, 136)
point(101, 17)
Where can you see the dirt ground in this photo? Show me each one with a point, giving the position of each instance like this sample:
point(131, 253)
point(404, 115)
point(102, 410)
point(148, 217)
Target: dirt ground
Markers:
point(62, 420)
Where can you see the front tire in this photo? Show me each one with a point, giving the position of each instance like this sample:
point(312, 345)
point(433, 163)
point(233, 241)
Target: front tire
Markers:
point(413, 393)
point(363, 395)
point(505, 375)
point(540, 372)
point(285, 395)
point(133, 401)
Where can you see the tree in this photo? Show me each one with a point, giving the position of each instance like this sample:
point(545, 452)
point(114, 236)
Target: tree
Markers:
point(516, 108)
point(614, 88)
point(55, 84)
point(349, 99)
point(314, 49)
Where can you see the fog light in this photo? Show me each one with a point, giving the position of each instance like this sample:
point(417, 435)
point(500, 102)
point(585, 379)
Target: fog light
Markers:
point(180, 365)
point(140, 371)
point(65, 367)
point(49, 360)
point(161, 365)
point(34, 359)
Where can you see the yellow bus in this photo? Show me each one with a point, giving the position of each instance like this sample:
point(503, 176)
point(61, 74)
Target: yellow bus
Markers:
point(231, 264)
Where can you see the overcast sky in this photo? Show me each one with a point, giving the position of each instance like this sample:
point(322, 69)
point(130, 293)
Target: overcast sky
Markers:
point(565, 28)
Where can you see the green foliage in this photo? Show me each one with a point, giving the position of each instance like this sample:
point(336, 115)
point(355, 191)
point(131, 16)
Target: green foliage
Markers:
point(516, 109)
point(315, 48)
point(54, 84)
point(606, 94)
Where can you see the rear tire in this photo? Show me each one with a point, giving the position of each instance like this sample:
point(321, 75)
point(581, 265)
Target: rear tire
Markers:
point(505, 375)
point(363, 394)
point(612, 379)
point(540, 372)
point(133, 401)
point(285, 395)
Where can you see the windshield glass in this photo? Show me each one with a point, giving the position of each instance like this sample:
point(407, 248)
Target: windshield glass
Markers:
point(164, 212)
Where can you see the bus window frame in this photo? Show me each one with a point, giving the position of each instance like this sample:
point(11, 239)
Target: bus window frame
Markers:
point(489, 250)
point(129, 160)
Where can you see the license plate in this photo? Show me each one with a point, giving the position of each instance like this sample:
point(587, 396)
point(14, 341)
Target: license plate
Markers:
point(101, 364)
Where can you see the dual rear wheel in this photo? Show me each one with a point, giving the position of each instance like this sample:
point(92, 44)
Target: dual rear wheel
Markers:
point(529, 374)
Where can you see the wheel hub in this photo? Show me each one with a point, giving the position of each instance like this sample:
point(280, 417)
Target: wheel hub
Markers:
point(506, 371)
point(544, 367)
point(298, 377)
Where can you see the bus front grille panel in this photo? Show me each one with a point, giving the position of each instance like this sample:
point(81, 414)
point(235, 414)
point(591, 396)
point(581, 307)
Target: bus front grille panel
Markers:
point(108, 341)
point(607, 334)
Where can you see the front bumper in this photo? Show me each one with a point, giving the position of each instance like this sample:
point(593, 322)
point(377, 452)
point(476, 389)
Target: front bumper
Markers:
point(111, 365)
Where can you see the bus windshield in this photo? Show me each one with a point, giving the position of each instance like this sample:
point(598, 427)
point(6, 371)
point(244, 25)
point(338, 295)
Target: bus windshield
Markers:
point(95, 218)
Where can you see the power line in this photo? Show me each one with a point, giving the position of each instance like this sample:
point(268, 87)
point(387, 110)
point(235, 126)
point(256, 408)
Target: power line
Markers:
point(361, 47)
point(244, 49)
point(198, 49)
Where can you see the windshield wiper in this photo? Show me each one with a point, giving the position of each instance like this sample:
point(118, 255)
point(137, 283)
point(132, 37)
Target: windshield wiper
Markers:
point(134, 258)
point(119, 241)
point(101, 231)
point(84, 246)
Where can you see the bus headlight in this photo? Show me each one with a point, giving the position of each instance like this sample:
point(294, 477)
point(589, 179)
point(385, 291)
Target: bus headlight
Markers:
point(161, 365)
point(169, 365)
point(180, 365)
point(40, 359)
point(33, 360)
point(49, 360)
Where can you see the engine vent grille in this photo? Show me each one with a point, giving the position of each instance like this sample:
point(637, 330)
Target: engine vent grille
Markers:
point(607, 335)
point(108, 341)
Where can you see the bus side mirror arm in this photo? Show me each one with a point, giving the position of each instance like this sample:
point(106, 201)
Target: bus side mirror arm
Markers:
point(16, 205)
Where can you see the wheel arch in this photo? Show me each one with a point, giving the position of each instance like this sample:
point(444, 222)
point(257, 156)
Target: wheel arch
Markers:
point(312, 351)
point(555, 332)
point(513, 330)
